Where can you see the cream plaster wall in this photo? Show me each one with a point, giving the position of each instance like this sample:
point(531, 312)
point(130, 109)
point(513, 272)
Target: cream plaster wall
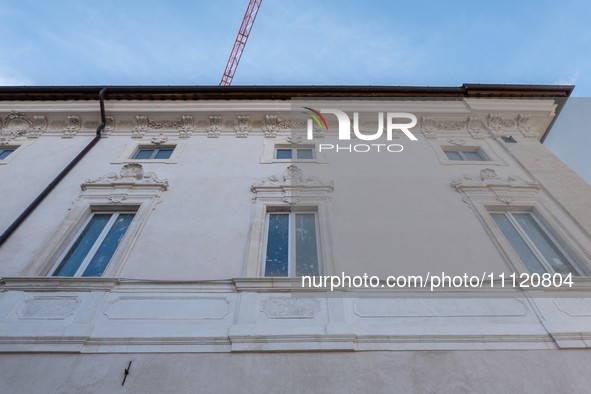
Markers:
point(379, 372)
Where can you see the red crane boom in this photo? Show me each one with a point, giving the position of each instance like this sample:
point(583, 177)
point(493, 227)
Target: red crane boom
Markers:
point(247, 22)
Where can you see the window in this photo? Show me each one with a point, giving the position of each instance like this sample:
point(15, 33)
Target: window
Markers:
point(457, 151)
point(536, 247)
point(97, 236)
point(154, 154)
point(4, 153)
point(135, 151)
point(291, 244)
point(291, 233)
point(302, 153)
point(464, 155)
point(91, 249)
point(289, 149)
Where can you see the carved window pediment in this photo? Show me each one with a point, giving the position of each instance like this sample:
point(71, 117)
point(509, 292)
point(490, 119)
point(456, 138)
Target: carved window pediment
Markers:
point(292, 188)
point(513, 189)
point(131, 190)
point(131, 175)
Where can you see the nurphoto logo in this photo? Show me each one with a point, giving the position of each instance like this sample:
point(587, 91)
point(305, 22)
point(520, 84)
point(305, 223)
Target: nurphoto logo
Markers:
point(345, 129)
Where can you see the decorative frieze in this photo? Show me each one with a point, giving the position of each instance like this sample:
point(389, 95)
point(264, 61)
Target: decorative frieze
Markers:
point(17, 124)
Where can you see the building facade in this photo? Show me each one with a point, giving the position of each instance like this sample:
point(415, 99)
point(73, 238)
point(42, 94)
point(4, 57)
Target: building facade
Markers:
point(170, 254)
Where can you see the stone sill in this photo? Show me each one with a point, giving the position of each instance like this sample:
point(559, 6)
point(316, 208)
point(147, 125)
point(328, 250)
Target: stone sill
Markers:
point(580, 289)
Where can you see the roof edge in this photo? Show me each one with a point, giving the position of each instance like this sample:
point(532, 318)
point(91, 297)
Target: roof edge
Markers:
point(273, 92)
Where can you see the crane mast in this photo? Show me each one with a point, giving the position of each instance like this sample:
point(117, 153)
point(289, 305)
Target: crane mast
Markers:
point(243, 33)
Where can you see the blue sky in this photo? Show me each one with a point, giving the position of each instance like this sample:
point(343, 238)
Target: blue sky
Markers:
point(419, 42)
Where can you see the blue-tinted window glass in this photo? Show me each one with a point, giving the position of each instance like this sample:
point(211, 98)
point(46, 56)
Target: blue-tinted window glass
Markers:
point(283, 154)
point(4, 153)
point(453, 155)
point(473, 156)
point(164, 154)
point(143, 154)
point(305, 154)
point(527, 257)
point(306, 249)
point(78, 252)
point(108, 246)
point(276, 263)
point(545, 245)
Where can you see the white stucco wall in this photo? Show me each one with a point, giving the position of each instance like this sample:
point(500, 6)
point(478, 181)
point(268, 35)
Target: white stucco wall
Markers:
point(189, 286)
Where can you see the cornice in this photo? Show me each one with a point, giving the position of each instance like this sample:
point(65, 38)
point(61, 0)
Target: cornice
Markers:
point(476, 118)
point(181, 93)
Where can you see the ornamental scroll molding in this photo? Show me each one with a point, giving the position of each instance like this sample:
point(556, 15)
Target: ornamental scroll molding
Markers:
point(476, 127)
point(490, 185)
point(271, 127)
point(430, 126)
point(109, 127)
point(184, 125)
point(456, 141)
point(72, 126)
point(187, 126)
point(159, 139)
point(292, 187)
point(16, 124)
point(131, 175)
point(525, 129)
point(215, 126)
point(243, 127)
point(141, 126)
point(500, 127)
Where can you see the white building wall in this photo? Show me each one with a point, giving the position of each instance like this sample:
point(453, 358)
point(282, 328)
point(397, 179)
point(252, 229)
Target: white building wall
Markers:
point(186, 285)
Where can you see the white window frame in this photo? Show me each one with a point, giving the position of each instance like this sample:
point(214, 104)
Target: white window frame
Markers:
point(95, 246)
point(294, 152)
point(292, 192)
point(291, 267)
point(483, 147)
point(270, 147)
point(132, 191)
point(154, 154)
point(18, 147)
point(464, 157)
point(5, 148)
point(491, 194)
point(531, 245)
point(134, 145)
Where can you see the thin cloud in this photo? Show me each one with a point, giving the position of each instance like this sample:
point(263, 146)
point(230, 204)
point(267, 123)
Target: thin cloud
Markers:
point(569, 81)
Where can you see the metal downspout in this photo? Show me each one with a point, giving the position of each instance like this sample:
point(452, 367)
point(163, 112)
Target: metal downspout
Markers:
point(61, 175)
